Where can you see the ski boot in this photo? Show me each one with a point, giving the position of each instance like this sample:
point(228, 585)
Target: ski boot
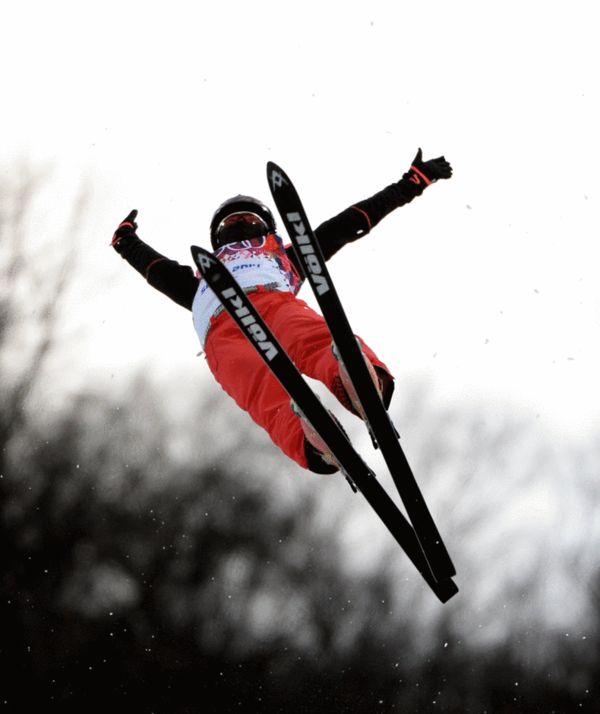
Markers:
point(320, 458)
point(346, 394)
point(344, 389)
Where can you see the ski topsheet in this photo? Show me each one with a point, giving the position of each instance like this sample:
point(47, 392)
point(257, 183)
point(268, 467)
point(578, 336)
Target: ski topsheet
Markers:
point(240, 308)
point(310, 257)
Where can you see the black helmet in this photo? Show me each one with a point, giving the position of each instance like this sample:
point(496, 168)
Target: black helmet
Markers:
point(239, 204)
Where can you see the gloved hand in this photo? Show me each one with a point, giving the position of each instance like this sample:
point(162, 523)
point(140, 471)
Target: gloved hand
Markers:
point(426, 172)
point(126, 228)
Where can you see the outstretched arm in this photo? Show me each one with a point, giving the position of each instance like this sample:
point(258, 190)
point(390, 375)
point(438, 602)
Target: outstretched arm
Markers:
point(176, 281)
point(357, 220)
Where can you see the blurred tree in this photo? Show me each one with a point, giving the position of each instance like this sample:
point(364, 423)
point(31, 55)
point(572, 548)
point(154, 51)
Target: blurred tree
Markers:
point(170, 569)
point(33, 278)
point(125, 561)
point(35, 272)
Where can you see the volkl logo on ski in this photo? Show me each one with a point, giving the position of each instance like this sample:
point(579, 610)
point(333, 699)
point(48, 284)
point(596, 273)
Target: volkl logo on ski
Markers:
point(277, 179)
point(255, 331)
point(204, 262)
point(308, 253)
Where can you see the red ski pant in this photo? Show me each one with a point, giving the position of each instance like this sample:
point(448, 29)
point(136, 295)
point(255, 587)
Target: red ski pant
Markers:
point(243, 374)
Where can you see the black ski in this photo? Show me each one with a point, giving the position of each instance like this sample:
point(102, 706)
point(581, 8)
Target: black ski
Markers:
point(382, 429)
point(241, 309)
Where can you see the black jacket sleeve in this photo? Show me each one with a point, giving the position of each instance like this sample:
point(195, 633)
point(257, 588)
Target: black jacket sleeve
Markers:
point(357, 220)
point(174, 280)
point(180, 283)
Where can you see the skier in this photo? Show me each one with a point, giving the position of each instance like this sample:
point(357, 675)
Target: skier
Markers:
point(243, 235)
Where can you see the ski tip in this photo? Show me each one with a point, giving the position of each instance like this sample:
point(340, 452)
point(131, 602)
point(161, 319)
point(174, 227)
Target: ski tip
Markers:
point(203, 258)
point(196, 250)
point(276, 176)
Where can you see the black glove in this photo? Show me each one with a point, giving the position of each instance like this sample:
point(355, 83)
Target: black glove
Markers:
point(426, 172)
point(126, 229)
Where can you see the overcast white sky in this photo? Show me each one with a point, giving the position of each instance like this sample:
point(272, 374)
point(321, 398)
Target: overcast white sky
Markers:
point(487, 284)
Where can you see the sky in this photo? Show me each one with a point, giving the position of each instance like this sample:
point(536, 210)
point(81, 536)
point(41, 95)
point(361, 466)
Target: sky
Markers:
point(486, 285)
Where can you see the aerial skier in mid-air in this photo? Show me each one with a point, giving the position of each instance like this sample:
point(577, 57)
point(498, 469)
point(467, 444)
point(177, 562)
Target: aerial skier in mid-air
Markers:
point(243, 236)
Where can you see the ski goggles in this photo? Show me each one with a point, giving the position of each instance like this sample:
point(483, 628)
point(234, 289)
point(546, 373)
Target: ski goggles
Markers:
point(245, 216)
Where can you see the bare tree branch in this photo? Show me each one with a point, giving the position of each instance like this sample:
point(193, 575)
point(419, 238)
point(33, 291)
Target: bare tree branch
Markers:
point(19, 272)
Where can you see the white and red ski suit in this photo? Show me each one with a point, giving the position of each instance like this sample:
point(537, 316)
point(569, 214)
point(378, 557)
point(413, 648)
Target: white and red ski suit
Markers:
point(269, 272)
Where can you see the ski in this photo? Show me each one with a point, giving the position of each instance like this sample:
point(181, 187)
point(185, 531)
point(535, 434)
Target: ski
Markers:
point(241, 309)
point(382, 430)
